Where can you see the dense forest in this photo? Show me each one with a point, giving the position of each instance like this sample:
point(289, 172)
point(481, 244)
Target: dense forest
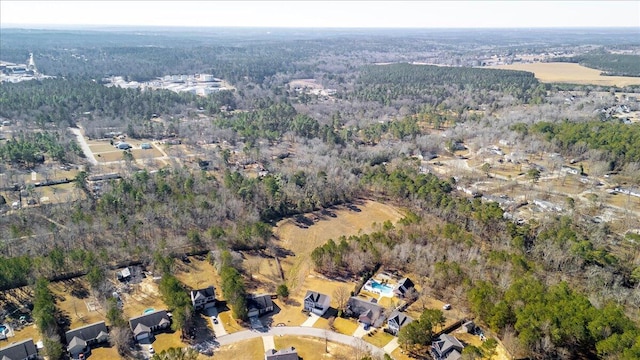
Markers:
point(611, 64)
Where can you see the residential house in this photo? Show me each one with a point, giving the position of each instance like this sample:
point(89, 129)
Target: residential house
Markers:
point(396, 321)
point(203, 298)
point(80, 340)
point(403, 287)
point(258, 305)
point(289, 353)
point(22, 350)
point(367, 312)
point(145, 325)
point(316, 302)
point(446, 347)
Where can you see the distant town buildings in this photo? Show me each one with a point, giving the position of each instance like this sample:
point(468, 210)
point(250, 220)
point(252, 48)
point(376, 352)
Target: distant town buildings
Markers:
point(13, 73)
point(198, 84)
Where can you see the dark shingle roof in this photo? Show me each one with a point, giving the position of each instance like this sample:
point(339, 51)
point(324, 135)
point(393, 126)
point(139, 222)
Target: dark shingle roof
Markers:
point(316, 297)
point(400, 318)
point(259, 302)
point(155, 318)
point(284, 354)
point(88, 332)
point(203, 293)
point(18, 351)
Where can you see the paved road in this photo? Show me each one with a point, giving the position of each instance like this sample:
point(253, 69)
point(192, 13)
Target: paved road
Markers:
point(299, 331)
point(218, 328)
point(84, 146)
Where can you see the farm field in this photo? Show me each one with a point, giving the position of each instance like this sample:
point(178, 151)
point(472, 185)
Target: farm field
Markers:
point(557, 72)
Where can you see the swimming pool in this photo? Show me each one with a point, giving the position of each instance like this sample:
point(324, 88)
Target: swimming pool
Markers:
point(378, 288)
point(149, 310)
point(3, 329)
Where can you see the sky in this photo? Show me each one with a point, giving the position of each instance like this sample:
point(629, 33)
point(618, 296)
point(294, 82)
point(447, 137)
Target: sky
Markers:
point(368, 14)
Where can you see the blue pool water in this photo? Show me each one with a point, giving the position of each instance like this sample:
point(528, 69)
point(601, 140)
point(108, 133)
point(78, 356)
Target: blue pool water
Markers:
point(2, 328)
point(149, 310)
point(383, 289)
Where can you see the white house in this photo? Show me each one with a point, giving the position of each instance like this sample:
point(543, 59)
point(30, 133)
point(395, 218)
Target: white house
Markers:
point(316, 303)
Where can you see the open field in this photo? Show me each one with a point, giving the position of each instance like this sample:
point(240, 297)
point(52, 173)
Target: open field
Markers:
point(104, 353)
point(143, 296)
point(557, 72)
point(301, 241)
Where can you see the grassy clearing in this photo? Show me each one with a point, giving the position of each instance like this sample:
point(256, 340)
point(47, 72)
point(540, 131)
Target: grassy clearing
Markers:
point(399, 354)
point(290, 313)
point(143, 296)
point(197, 273)
point(252, 349)
point(379, 338)
point(555, 72)
point(346, 222)
point(314, 348)
point(73, 299)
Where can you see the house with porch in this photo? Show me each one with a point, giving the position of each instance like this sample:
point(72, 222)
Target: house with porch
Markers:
point(316, 302)
point(80, 340)
point(258, 305)
point(203, 298)
point(144, 326)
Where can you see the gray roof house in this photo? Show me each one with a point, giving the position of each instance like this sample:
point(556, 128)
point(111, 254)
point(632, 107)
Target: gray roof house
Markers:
point(289, 353)
point(259, 304)
point(446, 347)
point(396, 321)
point(22, 350)
point(404, 285)
point(79, 340)
point(203, 298)
point(145, 325)
point(367, 312)
point(316, 302)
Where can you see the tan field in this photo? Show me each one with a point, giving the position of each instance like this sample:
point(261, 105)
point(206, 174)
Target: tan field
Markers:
point(75, 301)
point(302, 241)
point(251, 349)
point(557, 72)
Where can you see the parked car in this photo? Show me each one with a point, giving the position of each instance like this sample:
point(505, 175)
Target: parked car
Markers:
point(151, 349)
point(446, 307)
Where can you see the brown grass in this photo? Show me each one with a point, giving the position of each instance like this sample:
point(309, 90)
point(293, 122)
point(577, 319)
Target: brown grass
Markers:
point(399, 354)
point(251, 349)
point(144, 295)
point(345, 326)
point(302, 241)
point(571, 73)
point(230, 323)
point(76, 307)
point(313, 348)
point(104, 353)
point(164, 341)
point(379, 338)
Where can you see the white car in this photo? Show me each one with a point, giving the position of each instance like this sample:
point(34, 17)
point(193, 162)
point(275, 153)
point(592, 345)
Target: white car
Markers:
point(151, 349)
point(446, 307)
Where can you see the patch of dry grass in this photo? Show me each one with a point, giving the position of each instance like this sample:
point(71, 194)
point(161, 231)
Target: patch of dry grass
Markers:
point(143, 296)
point(345, 326)
point(399, 354)
point(104, 353)
point(251, 349)
point(73, 297)
point(555, 72)
point(379, 338)
point(229, 322)
point(314, 348)
point(164, 341)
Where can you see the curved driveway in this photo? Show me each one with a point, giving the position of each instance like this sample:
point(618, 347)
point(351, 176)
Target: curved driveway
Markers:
point(299, 331)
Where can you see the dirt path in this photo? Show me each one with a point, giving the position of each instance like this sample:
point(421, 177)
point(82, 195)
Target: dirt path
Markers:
point(83, 145)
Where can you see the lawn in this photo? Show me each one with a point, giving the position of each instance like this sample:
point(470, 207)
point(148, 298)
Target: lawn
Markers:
point(399, 354)
point(144, 295)
point(104, 353)
point(345, 326)
point(164, 341)
point(313, 348)
point(252, 349)
point(230, 324)
point(197, 274)
point(379, 338)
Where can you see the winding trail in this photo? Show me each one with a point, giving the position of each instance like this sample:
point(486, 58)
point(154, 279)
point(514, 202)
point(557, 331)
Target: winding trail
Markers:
point(300, 331)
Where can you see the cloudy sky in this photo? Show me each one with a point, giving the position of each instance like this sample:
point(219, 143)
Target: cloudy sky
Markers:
point(416, 14)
